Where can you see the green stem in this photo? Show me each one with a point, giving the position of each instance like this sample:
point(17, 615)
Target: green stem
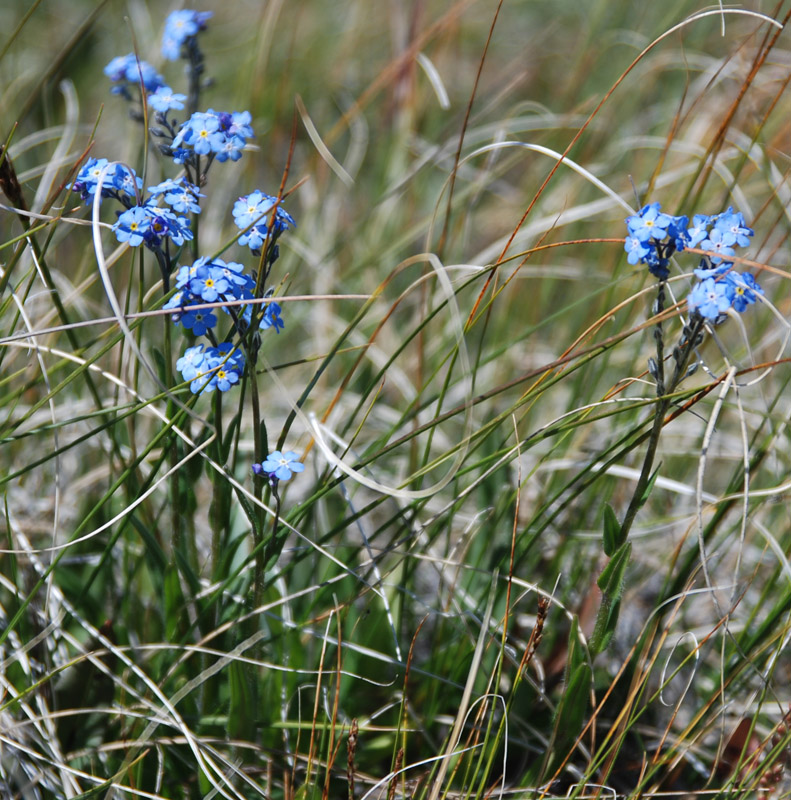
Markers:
point(218, 524)
point(682, 356)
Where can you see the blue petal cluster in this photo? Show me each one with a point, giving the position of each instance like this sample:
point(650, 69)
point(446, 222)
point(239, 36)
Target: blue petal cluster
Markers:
point(161, 218)
point(279, 466)
point(255, 210)
point(221, 135)
point(210, 368)
point(126, 70)
point(164, 100)
point(653, 237)
point(180, 26)
point(119, 182)
point(720, 288)
point(210, 282)
point(150, 225)
point(181, 195)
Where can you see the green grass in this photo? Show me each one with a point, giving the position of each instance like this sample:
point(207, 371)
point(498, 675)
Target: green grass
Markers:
point(463, 369)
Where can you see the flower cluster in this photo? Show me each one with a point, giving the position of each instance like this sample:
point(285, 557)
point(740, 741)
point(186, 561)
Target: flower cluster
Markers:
point(252, 216)
point(653, 237)
point(146, 223)
point(209, 282)
point(180, 27)
point(127, 70)
point(163, 217)
point(210, 368)
point(151, 224)
point(279, 466)
point(218, 134)
point(215, 281)
point(119, 181)
point(720, 288)
point(164, 99)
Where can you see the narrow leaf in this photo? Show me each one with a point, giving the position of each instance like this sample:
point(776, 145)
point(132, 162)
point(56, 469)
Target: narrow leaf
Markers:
point(611, 580)
point(649, 486)
point(612, 531)
point(572, 708)
point(241, 713)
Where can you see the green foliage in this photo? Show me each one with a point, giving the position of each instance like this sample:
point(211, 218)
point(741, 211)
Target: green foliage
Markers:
point(472, 350)
point(612, 532)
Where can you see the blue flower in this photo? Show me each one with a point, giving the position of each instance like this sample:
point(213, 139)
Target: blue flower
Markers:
point(179, 154)
point(232, 272)
point(186, 274)
point(189, 364)
point(271, 318)
point(699, 230)
point(88, 177)
point(178, 300)
point(198, 320)
point(225, 353)
point(184, 198)
point(677, 230)
point(224, 378)
point(717, 245)
point(649, 223)
point(230, 147)
point(237, 123)
point(181, 195)
point(125, 180)
point(222, 134)
point(165, 223)
point(254, 238)
point(197, 132)
point(127, 69)
point(228, 363)
point(164, 100)
point(132, 226)
point(221, 368)
point(710, 298)
point(252, 208)
point(256, 209)
point(745, 289)
point(636, 248)
point(734, 231)
point(179, 26)
point(707, 270)
point(209, 285)
point(168, 185)
point(279, 466)
point(119, 181)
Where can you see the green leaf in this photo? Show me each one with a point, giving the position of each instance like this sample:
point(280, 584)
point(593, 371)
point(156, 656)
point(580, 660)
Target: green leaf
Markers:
point(174, 603)
point(264, 438)
point(611, 580)
point(649, 486)
point(571, 709)
point(612, 531)
point(155, 556)
point(228, 554)
point(185, 567)
point(242, 710)
point(575, 655)
point(250, 512)
point(160, 364)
